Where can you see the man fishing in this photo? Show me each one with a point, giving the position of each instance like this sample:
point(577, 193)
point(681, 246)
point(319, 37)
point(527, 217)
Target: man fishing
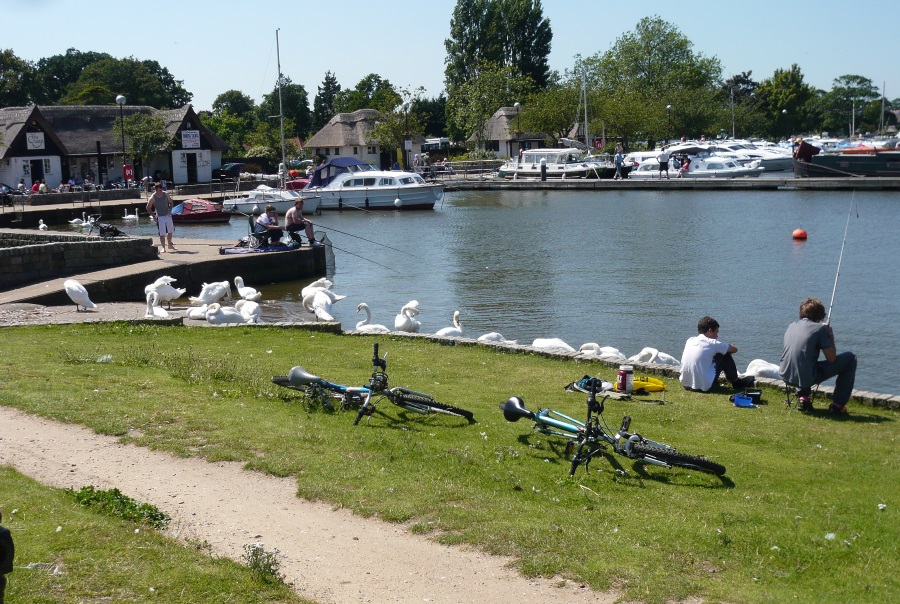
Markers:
point(800, 364)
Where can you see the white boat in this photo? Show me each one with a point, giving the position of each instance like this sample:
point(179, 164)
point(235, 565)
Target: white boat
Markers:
point(561, 163)
point(771, 160)
point(255, 201)
point(699, 167)
point(346, 182)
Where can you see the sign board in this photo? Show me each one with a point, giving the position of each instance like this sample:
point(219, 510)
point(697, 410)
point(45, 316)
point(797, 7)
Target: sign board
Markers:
point(190, 139)
point(128, 172)
point(407, 144)
point(35, 140)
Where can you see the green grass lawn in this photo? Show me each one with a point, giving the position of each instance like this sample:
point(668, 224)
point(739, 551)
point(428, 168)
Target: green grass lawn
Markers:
point(796, 518)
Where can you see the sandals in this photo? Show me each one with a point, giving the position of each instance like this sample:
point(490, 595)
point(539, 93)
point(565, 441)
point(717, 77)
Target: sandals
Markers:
point(838, 409)
point(804, 405)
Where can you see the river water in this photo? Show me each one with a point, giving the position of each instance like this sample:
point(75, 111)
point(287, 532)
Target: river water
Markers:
point(629, 269)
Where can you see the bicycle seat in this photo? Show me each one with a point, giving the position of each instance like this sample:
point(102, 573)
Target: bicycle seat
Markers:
point(298, 376)
point(514, 409)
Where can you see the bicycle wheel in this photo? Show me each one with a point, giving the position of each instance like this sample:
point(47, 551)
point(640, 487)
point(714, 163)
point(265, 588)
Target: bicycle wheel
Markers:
point(674, 458)
point(421, 404)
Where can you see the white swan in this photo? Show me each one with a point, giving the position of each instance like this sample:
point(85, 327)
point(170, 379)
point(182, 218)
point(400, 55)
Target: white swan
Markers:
point(41, 225)
point(366, 324)
point(165, 291)
point(452, 332)
point(592, 349)
point(322, 283)
point(247, 293)
point(154, 311)
point(213, 292)
point(217, 314)
point(128, 216)
point(405, 321)
point(552, 345)
point(495, 337)
point(197, 312)
point(319, 303)
point(78, 294)
point(761, 368)
point(652, 355)
point(249, 310)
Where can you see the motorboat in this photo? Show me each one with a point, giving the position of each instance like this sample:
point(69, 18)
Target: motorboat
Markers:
point(560, 163)
point(348, 182)
point(199, 211)
point(699, 167)
point(256, 200)
point(773, 160)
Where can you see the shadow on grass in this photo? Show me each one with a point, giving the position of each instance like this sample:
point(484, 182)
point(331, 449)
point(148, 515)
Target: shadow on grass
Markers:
point(852, 417)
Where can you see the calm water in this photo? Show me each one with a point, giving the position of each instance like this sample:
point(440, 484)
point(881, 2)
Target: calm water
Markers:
point(623, 269)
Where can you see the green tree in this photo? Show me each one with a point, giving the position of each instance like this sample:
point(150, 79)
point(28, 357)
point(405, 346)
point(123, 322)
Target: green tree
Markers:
point(54, 74)
point(323, 105)
point(842, 109)
point(15, 80)
point(402, 122)
point(473, 102)
point(434, 113)
point(551, 111)
point(173, 90)
point(230, 128)
point(138, 81)
point(294, 103)
point(236, 103)
point(265, 139)
point(783, 100)
point(146, 135)
point(507, 33)
point(372, 92)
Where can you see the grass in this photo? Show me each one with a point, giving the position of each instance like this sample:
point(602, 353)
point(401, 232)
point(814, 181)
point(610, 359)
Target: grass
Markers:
point(796, 518)
point(68, 552)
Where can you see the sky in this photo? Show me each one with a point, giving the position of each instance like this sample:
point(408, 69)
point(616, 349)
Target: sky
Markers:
point(228, 45)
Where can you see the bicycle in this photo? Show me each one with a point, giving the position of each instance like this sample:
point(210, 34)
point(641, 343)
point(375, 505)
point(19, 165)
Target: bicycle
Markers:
point(592, 437)
point(366, 397)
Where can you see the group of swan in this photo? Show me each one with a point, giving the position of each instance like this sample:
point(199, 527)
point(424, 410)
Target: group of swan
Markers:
point(211, 309)
point(164, 290)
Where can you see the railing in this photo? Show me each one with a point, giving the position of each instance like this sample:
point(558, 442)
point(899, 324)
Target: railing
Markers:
point(462, 170)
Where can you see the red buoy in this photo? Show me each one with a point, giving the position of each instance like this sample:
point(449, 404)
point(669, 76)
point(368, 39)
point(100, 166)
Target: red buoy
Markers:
point(799, 234)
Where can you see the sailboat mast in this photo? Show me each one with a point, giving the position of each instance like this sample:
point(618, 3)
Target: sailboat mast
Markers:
point(283, 174)
point(587, 140)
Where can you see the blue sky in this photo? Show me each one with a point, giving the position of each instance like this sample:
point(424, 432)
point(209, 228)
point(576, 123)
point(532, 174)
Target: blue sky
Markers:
point(218, 46)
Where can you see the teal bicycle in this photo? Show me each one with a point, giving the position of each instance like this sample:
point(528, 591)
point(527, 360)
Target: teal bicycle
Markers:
point(589, 439)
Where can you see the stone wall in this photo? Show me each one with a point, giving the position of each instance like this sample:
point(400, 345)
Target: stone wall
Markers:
point(27, 257)
point(42, 199)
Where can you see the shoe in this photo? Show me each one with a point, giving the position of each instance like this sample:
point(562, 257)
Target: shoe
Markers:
point(316, 243)
point(804, 405)
point(744, 382)
point(838, 409)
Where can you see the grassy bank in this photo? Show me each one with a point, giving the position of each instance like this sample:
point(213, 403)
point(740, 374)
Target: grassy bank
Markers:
point(796, 518)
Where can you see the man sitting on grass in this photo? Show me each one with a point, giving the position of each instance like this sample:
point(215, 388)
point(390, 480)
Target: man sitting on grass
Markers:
point(705, 358)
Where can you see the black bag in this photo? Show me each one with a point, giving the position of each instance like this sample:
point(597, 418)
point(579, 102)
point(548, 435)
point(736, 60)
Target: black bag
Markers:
point(7, 551)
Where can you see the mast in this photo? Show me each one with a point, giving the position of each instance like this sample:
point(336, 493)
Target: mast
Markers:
point(587, 140)
point(881, 127)
point(280, 110)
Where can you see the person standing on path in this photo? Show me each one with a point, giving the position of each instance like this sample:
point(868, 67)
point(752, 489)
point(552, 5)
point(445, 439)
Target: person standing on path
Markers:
point(159, 206)
point(619, 161)
point(663, 159)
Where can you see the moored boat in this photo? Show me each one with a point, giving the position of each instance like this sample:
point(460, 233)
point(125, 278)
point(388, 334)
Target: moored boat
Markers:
point(699, 167)
point(346, 182)
point(199, 211)
point(877, 162)
point(560, 163)
point(256, 200)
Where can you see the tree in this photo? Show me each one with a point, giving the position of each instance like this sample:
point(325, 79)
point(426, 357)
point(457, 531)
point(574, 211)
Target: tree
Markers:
point(54, 74)
point(138, 81)
point(400, 123)
point(230, 128)
point(507, 33)
point(323, 105)
point(146, 136)
point(173, 90)
point(552, 111)
point(236, 103)
point(265, 139)
point(434, 114)
point(295, 107)
point(372, 92)
point(783, 100)
point(842, 108)
point(15, 80)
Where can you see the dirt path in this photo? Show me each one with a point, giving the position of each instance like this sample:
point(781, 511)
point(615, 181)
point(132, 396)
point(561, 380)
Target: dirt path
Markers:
point(329, 555)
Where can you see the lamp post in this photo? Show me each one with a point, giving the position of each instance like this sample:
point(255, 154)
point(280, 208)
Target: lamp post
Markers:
point(407, 146)
point(120, 100)
point(669, 128)
point(784, 112)
point(518, 144)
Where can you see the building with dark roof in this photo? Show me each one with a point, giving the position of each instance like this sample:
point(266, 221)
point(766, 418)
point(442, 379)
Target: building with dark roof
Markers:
point(61, 142)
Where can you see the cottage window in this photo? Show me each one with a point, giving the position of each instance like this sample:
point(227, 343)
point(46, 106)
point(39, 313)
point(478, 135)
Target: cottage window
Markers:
point(337, 150)
point(47, 168)
point(318, 151)
point(355, 150)
point(328, 151)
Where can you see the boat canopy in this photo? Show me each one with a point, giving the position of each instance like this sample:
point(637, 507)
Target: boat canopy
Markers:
point(326, 173)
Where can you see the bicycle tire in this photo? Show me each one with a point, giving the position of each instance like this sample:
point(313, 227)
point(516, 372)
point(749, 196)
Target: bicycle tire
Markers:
point(421, 404)
point(675, 458)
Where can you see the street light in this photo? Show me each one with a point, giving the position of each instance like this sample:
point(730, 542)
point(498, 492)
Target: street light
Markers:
point(121, 102)
point(669, 129)
point(518, 144)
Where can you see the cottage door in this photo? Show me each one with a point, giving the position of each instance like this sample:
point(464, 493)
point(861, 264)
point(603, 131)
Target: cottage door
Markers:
point(191, 167)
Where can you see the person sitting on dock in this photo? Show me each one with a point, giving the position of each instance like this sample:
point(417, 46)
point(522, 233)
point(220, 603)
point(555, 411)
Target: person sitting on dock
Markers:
point(295, 222)
point(705, 357)
point(267, 225)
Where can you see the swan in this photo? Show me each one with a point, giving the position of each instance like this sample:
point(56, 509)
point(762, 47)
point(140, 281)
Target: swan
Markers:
point(154, 311)
point(79, 221)
point(217, 314)
point(552, 345)
point(41, 225)
point(197, 312)
point(761, 368)
point(165, 292)
point(128, 216)
point(591, 349)
point(405, 321)
point(366, 324)
point(247, 293)
point(495, 337)
point(319, 303)
point(213, 292)
point(78, 294)
point(452, 332)
point(322, 283)
point(652, 355)
point(248, 309)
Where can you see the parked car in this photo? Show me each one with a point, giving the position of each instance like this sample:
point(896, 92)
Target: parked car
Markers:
point(232, 170)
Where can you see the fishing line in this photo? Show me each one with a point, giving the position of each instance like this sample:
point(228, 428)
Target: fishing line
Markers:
point(364, 258)
point(841, 257)
point(319, 224)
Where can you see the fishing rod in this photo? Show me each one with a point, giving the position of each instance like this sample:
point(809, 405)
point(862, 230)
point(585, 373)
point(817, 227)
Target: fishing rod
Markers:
point(364, 258)
point(318, 224)
point(841, 257)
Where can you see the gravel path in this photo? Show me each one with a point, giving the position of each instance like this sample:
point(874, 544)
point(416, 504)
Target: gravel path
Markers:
point(330, 556)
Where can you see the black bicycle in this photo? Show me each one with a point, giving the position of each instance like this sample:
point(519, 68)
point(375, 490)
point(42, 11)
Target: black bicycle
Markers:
point(590, 438)
point(366, 397)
